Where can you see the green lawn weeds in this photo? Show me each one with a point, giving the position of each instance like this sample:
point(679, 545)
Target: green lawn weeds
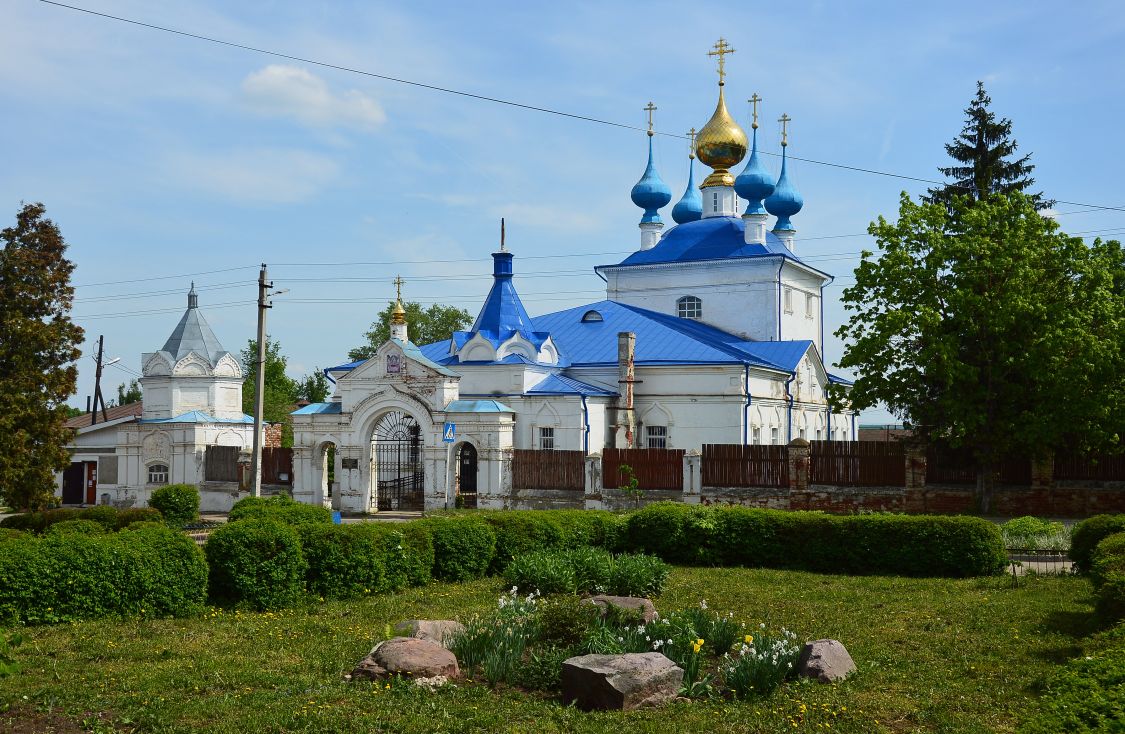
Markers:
point(934, 655)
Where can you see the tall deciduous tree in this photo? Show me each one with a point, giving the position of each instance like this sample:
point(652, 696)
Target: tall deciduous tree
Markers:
point(38, 348)
point(983, 152)
point(280, 391)
point(130, 394)
point(426, 326)
point(983, 325)
point(314, 387)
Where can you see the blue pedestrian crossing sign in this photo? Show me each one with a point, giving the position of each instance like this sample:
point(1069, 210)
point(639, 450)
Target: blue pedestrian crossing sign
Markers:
point(449, 432)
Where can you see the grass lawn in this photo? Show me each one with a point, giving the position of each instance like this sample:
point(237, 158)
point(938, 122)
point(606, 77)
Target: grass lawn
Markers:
point(933, 654)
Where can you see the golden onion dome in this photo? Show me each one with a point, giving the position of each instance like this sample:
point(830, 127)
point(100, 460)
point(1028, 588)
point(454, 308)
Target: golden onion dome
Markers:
point(721, 145)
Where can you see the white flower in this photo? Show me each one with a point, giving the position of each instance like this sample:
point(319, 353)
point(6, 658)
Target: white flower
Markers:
point(762, 625)
point(703, 604)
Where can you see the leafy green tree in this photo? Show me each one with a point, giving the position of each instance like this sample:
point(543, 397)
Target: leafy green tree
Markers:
point(38, 348)
point(313, 387)
point(280, 391)
point(426, 326)
point(130, 394)
point(986, 327)
point(984, 150)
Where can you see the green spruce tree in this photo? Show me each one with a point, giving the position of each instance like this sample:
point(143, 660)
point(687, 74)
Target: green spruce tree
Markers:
point(983, 152)
point(38, 348)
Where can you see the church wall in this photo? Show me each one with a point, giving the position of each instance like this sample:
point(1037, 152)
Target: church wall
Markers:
point(800, 306)
point(739, 297)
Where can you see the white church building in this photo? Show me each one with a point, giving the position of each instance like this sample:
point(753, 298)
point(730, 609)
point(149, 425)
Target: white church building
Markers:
point(710, 333)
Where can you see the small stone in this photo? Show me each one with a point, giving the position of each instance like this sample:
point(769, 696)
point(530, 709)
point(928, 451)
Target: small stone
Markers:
point(620, 682)
point(636, 604)
point(407, 656)
point(440, 631)
point(826, 660)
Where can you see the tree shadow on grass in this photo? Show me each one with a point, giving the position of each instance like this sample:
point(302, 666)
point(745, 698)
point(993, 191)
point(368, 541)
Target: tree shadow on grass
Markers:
point(1073, 624)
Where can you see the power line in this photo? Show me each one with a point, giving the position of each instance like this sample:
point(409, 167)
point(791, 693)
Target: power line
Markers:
point(507, 102)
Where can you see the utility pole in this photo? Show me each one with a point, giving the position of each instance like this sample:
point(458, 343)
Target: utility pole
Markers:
point(260, 380)
point(98, 386)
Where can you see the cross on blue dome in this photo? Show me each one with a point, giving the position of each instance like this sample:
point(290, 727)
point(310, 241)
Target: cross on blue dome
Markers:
point(755, 182)
point(650, 193)
point(785, 200)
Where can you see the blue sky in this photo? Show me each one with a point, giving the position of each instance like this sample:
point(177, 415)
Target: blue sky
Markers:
point(162, 156)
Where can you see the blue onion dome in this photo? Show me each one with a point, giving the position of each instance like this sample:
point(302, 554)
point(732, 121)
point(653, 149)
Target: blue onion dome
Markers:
point(755, 182)
point(690, 206)
point(785, 201)
point(650, 193)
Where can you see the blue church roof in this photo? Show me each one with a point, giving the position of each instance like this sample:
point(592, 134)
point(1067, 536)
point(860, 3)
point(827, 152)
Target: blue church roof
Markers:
point(661, 338)
point(477, 406)
point(198, 416)
point(713, 238)
point(502, 314)
point(563, 385)
point(317, 408)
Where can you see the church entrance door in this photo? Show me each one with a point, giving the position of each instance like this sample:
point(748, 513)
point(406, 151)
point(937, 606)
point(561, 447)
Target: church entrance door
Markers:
point(399, 473)
point(467, 476)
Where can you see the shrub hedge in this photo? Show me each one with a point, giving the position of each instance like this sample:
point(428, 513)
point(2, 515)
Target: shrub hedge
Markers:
point(1086, 535)
point(909, 545)
point(463, 547)
point(178, 503)
point(344, 562)
point(406, 551)
point(127, 517)
point(257, 563)
point(1107, 573)
point(281, 508)
point(67, 577)
point(107, 516)
point(77, 527)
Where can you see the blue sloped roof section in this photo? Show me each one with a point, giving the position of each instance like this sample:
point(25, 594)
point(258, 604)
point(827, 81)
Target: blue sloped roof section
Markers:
point(713, 238)
point(839, 380)
point(563, 385)
point(412, 351)
point(319, 408)
point(786, 354)
point(660, 338)
point(477, 406)
point(198, 416)
point(437, 352)
point(428, 355)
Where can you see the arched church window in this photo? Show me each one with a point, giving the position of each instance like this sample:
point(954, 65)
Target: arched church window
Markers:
point(689, 307)
point(158, 474)
point(592, 317)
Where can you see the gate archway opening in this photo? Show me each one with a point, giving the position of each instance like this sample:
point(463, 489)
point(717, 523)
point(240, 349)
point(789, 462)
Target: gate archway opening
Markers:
point(465, 479)
point(397, 471)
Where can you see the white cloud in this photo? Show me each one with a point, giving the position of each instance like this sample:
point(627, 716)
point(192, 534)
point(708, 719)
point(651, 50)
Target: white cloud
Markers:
point(289, 91)
point(263, 175)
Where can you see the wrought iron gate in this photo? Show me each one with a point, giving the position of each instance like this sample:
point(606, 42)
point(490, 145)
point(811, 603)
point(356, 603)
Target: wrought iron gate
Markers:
point(399, 472)
point(467, 477)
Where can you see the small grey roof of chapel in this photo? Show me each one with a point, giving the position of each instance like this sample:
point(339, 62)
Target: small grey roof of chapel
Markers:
point(193, 334)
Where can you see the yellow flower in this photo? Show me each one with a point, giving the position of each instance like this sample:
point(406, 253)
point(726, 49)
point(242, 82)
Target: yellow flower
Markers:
point(695, 647)
point(699, 642)
point(748, 639)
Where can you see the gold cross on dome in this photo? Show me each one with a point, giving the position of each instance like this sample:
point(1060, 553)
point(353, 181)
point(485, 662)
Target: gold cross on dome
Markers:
point(650, 108)
point(691, 150)
point(754, 102)
point(722, 48)
point(784, 120)
point(398, 281)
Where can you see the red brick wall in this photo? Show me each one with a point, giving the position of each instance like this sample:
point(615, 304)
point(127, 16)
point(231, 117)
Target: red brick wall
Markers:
point(271, 435)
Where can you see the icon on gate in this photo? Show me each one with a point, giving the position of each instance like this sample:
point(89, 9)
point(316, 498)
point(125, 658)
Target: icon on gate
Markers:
point(449, 432)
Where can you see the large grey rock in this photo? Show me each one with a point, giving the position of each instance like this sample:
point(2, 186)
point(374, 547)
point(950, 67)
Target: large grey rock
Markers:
point(440, 631)
point(407, 656)
point(643, 607)
point(826, 660)
point(620, 682)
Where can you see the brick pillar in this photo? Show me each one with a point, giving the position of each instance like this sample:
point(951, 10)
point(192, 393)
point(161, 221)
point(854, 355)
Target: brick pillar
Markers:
point(915, 499)
point(593, 490)
point(693, 478)
point(799, 466)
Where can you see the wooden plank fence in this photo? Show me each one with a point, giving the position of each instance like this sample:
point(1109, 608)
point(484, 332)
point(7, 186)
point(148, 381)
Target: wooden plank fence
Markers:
point(735, 465)
point(220, 464)
point(858, 463)
point(547, 469)
point(654, 468)
point(277, 466)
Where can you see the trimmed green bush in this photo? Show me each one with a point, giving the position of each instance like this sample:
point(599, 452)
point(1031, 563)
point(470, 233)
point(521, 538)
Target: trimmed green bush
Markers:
point(406, 551)
point(1108, 558)
point(28, 522)
point(1086, 535)
point(58, 514)
point(125, 518)
point(7, 533)
point(910, 545)
point(104, 515)
point(65, 577)
point(281, 508)
point(521, 532)
point(463, 547)
point(257, 563)
point(344, 561)
point(77, 527)
point(178, 503)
